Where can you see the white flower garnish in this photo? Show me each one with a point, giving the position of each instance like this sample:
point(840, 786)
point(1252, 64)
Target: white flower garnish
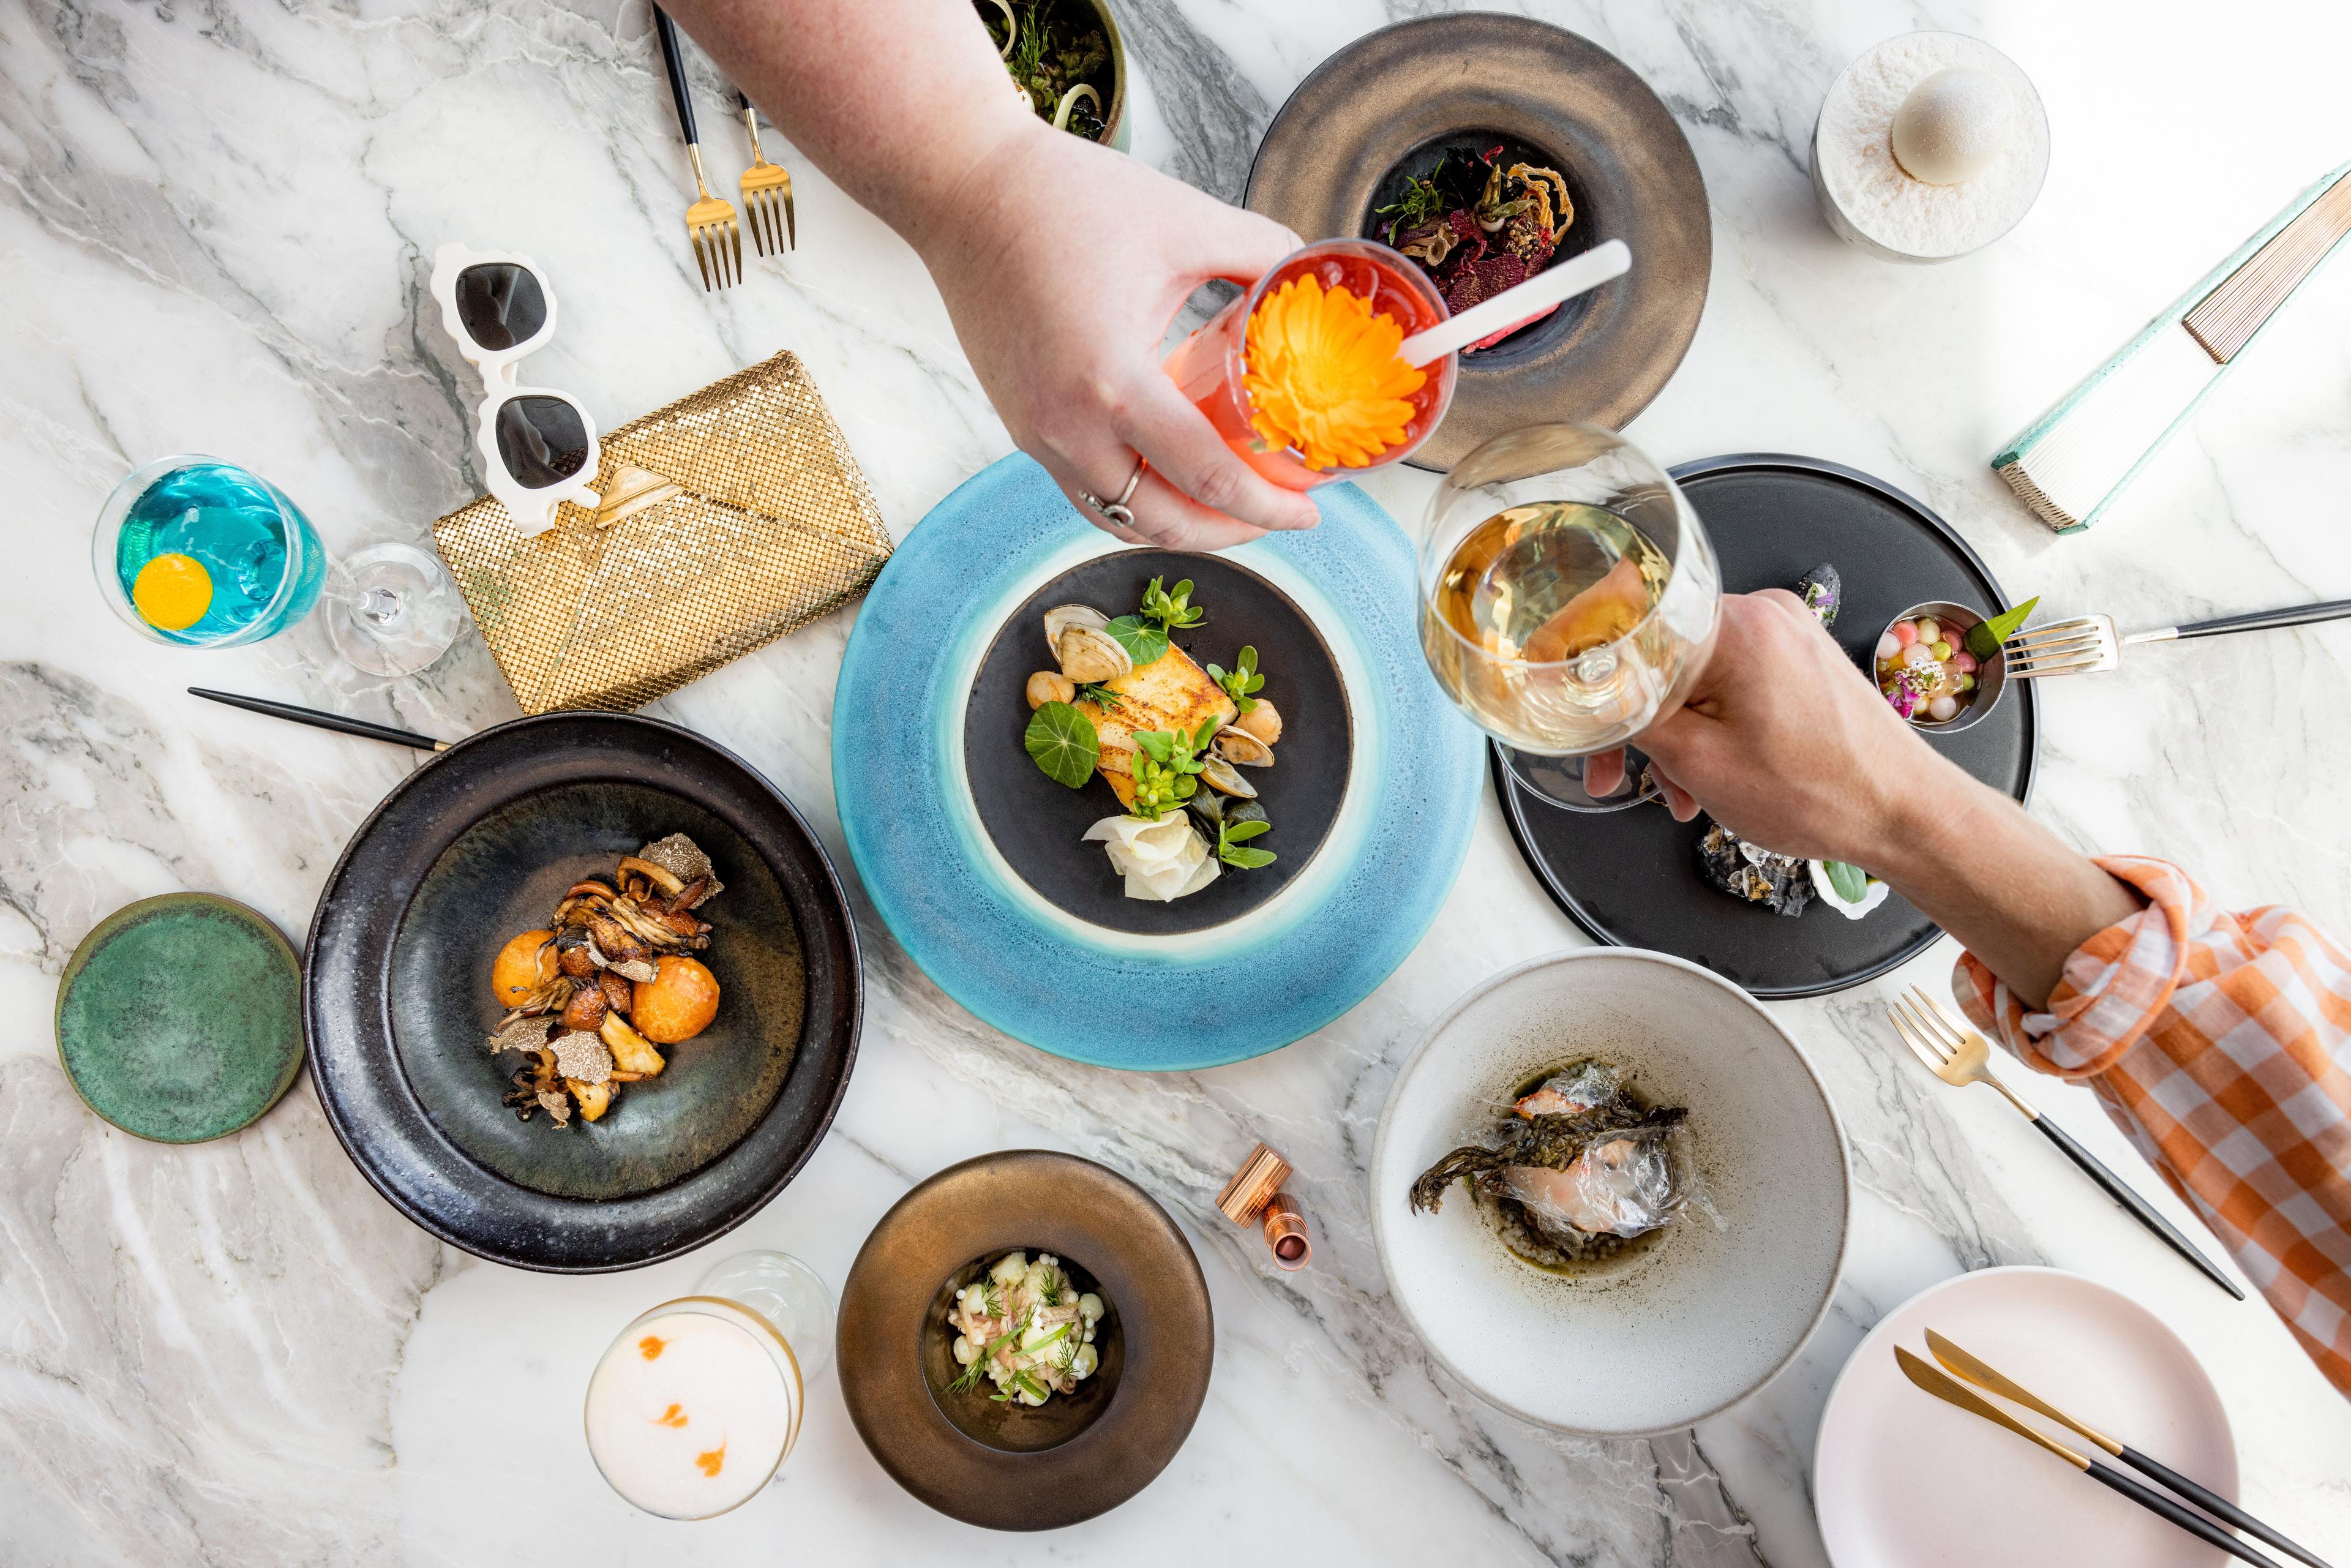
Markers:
point(1162, 861)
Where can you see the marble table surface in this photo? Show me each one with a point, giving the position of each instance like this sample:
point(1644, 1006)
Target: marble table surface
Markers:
point(216, 224)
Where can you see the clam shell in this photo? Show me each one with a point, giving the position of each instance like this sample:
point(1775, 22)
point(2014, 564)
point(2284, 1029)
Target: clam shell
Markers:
point(1063, 616)
point(1089, 655)
point(1222, 775)
point(1241, 747)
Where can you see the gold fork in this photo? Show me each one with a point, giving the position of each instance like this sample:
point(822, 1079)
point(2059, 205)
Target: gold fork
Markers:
point(709, 222)
point(767, 193)
point(1960, 1056)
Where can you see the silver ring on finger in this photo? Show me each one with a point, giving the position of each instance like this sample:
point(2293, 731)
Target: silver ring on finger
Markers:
point(1117, 512)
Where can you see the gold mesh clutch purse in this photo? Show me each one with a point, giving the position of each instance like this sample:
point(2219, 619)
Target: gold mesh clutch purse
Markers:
point(730, 517)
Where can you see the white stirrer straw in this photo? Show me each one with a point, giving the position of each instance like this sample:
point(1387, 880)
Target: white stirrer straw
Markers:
point(1520, 302)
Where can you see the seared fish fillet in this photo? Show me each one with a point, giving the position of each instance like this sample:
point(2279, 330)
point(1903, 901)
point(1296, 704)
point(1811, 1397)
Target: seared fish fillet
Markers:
point(1169, 692)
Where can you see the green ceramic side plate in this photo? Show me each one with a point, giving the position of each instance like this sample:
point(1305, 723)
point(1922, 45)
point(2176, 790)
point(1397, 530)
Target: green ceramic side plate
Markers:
point(180, 1017)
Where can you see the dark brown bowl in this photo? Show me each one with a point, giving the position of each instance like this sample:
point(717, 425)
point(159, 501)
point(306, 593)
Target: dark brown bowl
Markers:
point(1388, 101)
point(1012, 1468)
point(475, 846)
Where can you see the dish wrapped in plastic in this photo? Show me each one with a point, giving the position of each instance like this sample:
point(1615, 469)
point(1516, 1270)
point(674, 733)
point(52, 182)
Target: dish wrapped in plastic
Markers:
point(1576, 1169)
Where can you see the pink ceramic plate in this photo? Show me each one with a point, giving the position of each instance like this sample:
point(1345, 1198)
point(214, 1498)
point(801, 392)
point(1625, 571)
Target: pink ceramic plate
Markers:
point(1902, 1480)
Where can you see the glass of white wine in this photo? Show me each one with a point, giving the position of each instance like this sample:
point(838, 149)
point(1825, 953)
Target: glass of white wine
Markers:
point(1568, 596)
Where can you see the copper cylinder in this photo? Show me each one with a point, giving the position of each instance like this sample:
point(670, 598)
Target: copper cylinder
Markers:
point(1260, 1178)
point(1285, 1232)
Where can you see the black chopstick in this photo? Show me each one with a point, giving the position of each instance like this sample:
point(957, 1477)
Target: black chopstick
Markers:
point(319, 720)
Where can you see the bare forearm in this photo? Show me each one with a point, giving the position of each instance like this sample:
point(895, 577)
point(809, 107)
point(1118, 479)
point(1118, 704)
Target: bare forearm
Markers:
point(2007, 887)
point(899, 102)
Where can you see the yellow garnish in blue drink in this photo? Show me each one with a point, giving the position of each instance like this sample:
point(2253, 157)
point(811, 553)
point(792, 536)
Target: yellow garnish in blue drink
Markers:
point(172, 592)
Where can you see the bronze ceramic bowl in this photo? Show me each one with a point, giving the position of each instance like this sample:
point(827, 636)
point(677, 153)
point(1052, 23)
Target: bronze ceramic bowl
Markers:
point(478, 844)
point(1013, 1468)
point(1388, 103)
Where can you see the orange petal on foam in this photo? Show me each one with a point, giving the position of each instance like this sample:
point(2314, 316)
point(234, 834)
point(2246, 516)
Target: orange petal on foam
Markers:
point(673, 1416)
point(713, 1461)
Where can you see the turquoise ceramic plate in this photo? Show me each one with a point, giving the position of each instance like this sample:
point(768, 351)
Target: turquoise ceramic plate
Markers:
point(1118, 998)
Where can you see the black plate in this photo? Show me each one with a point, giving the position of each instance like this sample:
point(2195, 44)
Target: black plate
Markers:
point(1077, 1455)
point(1631, 877)
point(468, 850)
point(1039, 825)
point(1392, 99)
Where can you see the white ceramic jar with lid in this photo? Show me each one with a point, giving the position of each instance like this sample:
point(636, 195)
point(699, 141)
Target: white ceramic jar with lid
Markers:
point(1928, 146)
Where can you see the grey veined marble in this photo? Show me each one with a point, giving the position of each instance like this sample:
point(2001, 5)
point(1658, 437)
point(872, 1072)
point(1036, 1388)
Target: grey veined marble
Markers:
point(216, 226)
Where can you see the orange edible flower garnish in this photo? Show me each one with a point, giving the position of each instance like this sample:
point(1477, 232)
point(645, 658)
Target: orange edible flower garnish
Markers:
point(650, 1347)
point(673, 1416)
point(1323, 376)
point(713, 1461)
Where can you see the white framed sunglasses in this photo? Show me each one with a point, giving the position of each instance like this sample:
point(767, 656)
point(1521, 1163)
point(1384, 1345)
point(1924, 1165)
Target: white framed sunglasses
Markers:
point(537, 445)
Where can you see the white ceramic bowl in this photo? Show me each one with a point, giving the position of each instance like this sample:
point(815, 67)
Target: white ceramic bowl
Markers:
point(1708, 1315)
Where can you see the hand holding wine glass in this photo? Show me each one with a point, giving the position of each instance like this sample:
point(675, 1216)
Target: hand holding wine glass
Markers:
point(1568, 595)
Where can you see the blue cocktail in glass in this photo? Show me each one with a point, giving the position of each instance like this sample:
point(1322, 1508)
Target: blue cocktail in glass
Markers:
point(202, 554)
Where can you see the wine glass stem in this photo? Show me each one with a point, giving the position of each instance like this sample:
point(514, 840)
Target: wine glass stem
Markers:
point(379, 606)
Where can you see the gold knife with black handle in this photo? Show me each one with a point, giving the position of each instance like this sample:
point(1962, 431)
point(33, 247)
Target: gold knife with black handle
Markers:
point(1983, 1375)
point(1940, 1384)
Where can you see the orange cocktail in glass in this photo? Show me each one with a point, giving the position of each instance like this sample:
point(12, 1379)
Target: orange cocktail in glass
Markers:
point(1301, 376)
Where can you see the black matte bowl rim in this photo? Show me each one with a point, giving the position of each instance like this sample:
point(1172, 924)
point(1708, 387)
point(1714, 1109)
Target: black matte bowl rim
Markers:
point(836, 1052)
point(1513, 809)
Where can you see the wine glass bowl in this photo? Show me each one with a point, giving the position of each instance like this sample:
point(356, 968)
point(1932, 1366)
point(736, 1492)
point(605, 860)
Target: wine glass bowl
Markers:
point(1568, 594)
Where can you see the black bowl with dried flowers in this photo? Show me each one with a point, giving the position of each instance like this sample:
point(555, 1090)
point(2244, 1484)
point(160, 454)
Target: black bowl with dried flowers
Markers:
point(1483, 211)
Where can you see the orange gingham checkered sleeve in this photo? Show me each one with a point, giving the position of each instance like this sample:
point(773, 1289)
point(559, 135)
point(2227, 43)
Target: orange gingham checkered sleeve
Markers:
point(2220, 1044)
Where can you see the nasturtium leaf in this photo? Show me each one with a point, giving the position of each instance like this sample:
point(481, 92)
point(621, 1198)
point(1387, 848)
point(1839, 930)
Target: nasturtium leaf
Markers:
point(1143, 643)
point(1063, 742)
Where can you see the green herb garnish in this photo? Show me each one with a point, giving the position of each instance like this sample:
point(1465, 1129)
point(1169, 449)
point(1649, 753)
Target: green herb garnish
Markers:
point(1061, 1333)
point(991, 1299)
point(1143, 643)
point(1985, 637)
point(978, 1367)
point(1241, 680)
point(1421, 202)
point(1101, 696)
point(1166, 768)
point(1850, 881)
point(1063, 743)
point(1232, 835)
point(1021, 1383)
point(1050, 1293)
point(1174, 611)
